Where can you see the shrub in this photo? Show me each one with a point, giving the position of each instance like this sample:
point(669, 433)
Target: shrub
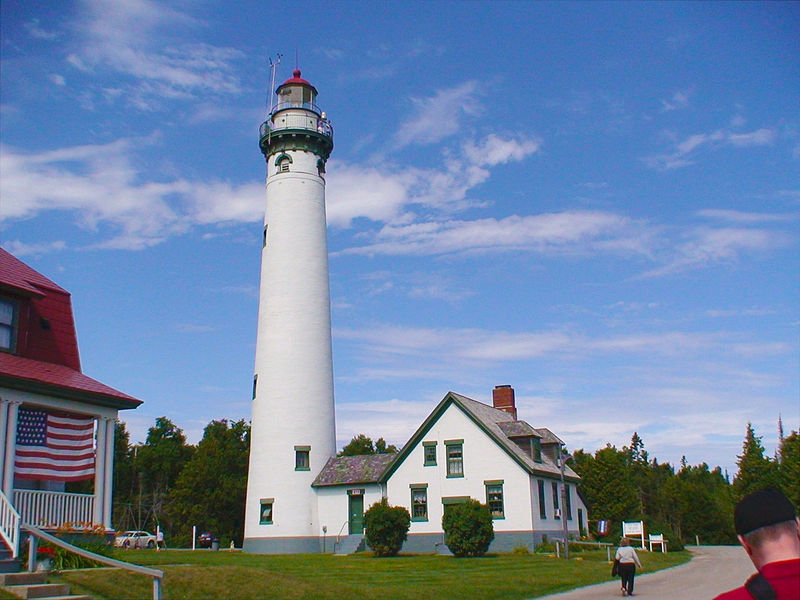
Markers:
point(468, 528)
point(387, 528)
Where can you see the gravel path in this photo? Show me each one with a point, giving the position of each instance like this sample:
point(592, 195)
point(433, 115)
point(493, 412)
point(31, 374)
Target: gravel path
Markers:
point(712, 570)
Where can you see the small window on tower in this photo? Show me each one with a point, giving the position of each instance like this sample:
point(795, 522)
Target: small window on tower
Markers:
point(284, 166)
point(265, 235)
point(266, 511)
point(301, 458)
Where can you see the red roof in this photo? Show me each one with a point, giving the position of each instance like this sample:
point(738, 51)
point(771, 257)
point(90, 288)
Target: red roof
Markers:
point(296, 79)
point(35, 375)
point(45, 356)
point(16, 274)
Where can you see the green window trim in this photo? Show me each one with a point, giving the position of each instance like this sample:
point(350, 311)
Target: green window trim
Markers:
point(454, 499)
point(429, 454)
point(495, 499)
point(454, 451)
point(302, 458)
point(281, 157)
point(265, 516)
point(419, 502)
point(542, 503)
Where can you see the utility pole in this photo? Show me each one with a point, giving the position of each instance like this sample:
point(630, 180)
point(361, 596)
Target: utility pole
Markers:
point(562, 457)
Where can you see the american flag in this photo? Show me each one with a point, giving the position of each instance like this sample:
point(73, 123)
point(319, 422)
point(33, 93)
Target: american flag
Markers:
point(54, 446)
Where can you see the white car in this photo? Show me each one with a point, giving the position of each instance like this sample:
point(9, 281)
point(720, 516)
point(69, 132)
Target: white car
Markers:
point(135, 539)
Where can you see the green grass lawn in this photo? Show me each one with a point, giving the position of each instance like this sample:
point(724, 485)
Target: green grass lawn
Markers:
point(225, 575)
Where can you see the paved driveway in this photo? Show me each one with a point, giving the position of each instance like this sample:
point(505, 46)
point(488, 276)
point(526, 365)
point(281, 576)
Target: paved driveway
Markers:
point(712, 570)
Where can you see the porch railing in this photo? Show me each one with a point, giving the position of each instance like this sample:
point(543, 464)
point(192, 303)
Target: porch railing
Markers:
point(35, 533)
point(51, 509)
point(9, 525)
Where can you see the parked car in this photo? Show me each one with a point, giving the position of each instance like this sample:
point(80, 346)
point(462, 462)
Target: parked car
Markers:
point(135, 539)
point(204, 539)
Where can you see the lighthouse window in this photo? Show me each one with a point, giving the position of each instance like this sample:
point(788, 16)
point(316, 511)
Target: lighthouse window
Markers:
point(266, 511)
point(301, 458)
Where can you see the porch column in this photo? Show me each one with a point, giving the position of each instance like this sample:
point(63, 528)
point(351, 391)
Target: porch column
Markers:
point(10, 449)
point(3, 423)
point(99, 472)
point(109, 469)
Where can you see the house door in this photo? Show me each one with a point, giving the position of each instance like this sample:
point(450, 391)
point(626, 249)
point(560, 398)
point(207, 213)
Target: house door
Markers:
point(356, 511)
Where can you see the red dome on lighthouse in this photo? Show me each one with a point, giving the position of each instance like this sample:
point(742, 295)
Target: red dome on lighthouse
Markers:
point(295, 78)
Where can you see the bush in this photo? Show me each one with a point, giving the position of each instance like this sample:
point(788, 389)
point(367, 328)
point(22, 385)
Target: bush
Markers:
point(468, 528)
point(387, 528)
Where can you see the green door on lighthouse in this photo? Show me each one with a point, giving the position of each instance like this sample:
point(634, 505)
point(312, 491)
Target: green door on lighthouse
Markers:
point(356, 506)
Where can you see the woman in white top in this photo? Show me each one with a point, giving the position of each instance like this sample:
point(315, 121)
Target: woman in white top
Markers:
point(628, 560)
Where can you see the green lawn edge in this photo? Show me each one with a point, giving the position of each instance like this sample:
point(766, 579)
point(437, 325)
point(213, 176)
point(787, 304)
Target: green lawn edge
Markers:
point(202, 575)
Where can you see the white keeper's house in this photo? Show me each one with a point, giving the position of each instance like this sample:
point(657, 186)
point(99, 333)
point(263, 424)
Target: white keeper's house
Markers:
point(300, 496)
point(56, 424)
point(464, 449)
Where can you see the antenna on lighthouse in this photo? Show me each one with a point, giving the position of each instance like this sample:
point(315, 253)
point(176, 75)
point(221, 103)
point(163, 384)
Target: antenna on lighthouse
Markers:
point(273, 66)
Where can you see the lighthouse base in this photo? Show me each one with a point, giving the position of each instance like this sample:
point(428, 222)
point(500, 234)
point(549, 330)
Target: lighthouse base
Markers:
point(288, 545)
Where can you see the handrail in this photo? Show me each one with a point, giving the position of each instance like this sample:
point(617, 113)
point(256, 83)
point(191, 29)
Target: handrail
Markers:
point(338, 535)
point(9, 524)
point(111, 562)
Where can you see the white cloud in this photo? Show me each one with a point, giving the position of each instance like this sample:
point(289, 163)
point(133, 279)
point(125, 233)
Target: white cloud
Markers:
point(105, 192)
point(439, 116)
point(391, 195)
point(741, 217)
point(678, 101)
point(566, 232)
point(681, 156)
point(128, 37)
point(707, 246)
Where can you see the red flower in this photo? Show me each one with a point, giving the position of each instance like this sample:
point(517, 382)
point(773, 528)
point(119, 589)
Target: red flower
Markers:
point(45, 553)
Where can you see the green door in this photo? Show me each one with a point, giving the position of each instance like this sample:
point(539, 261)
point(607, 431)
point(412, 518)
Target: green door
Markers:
point(356, 501)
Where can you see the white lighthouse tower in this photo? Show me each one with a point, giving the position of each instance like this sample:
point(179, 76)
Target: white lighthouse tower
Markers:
point(293, 425)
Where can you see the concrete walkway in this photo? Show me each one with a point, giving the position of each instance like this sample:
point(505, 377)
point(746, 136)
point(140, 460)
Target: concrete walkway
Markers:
point(712, 570)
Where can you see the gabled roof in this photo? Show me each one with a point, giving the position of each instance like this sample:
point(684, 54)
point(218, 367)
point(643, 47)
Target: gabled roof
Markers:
point(350, 470)
point(516, 429)
point(495, 423)
point(51, 379)
point(18, 276)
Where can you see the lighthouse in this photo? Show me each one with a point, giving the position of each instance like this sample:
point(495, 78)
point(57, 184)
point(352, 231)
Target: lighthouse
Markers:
point(293, 425)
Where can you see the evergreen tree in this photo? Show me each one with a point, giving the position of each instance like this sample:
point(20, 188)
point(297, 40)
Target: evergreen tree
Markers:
point(158, 463)
point(755, 470)
point(210, 490)
point(124, 474)
point(361, 445)
point(789, 467)
point(607, 484)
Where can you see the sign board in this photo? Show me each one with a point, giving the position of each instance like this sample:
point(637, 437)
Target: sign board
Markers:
point(633, 528)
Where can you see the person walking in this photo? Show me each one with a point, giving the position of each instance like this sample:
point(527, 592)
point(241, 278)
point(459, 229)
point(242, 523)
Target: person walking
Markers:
point(768, 529)
point(628, 561)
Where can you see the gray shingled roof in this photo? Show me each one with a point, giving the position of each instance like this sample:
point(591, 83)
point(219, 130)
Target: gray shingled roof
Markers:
point(518, 429)
point(349, 470)
point(491, 418)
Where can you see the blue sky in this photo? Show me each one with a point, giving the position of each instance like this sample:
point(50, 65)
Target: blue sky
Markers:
point(596, 203)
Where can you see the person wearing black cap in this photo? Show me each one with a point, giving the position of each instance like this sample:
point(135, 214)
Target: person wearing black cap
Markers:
point(769, 530)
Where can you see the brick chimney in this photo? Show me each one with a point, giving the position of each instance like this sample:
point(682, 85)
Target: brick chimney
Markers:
point(503, 399)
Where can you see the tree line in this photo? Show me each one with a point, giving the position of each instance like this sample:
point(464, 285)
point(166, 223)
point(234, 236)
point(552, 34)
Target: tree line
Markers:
point(168, 482)
point(687, 502)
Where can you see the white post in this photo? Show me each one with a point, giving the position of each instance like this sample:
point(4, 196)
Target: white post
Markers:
point(99, 472)
point(108, 492)
point(194, 536)
point(3, 423)
point(11, 448)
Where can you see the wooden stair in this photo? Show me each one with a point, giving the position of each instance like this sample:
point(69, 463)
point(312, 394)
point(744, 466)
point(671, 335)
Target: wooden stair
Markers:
point(7, 564)
point(32, 585)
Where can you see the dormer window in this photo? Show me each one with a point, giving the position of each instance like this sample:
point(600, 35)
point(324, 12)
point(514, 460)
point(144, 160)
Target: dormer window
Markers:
point(8, 320)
